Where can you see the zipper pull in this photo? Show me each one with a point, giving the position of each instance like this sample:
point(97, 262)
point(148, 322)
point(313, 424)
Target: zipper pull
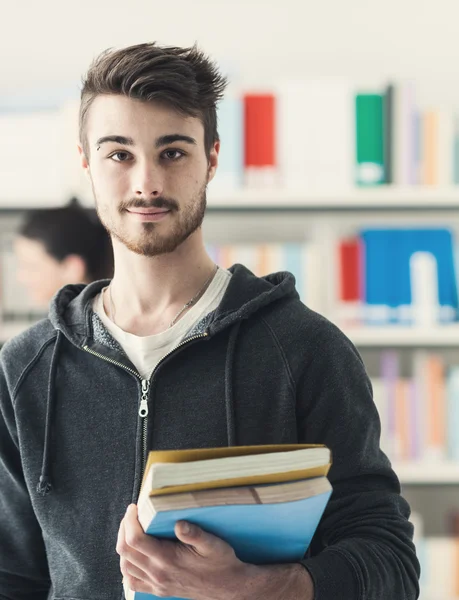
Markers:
point(143, 409)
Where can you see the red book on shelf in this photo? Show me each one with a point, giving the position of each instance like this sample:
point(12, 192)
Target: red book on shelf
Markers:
point(259, 138)
point(350, 281)
point(350, 271)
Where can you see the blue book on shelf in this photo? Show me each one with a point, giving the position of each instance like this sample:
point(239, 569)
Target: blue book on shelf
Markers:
point(259, 533)
point(439, 242)
point(231, 131)
point(293, 263)
point(378, 291)
point(387, 272)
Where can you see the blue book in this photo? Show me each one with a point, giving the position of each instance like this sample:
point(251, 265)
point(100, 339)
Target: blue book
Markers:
point(439, 243)
point(387, 272)
point(265, 501)
point(293, 262)
point(231, 157)
point(378, 292)
point(267, 524)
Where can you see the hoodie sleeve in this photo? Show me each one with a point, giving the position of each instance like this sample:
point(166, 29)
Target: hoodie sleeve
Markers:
point(363, 547)
point(23, 565)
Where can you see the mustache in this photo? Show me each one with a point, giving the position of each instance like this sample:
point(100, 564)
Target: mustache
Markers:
point(161, 202)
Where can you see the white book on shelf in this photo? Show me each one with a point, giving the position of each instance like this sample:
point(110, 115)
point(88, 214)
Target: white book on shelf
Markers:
point(316, 134)
point(404, 139)
point(440, 577)
point(312, 292)
point(380, 398)
point(230, 171)
point(424, 289)
point(445, 147)
point(32, 139)
point(420, 426)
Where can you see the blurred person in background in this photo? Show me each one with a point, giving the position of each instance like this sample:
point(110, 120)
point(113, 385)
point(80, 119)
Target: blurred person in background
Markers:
point(60, 246)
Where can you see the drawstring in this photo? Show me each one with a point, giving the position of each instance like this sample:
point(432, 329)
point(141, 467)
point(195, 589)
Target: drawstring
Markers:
point(229, 400)
point(44, 485)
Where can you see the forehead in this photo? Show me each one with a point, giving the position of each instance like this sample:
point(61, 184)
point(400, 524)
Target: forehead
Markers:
point(28, 248)
point(120, 115)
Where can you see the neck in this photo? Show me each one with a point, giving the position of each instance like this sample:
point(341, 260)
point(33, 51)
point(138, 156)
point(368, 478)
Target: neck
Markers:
point(148, 292)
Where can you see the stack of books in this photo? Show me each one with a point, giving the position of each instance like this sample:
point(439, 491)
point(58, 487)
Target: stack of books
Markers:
point(265, 501)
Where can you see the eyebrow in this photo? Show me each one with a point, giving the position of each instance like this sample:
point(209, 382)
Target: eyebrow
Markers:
point(118, 139)
point(163, 140)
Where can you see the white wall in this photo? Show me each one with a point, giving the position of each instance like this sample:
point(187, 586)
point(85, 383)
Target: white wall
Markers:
point(50, 43)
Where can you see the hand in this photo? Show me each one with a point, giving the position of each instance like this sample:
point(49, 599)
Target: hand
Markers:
point(200, 566)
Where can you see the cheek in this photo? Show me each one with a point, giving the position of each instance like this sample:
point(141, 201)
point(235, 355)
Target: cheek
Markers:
point(108, 181)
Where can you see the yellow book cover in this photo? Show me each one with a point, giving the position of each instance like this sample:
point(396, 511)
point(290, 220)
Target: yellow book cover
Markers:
point(201, 454)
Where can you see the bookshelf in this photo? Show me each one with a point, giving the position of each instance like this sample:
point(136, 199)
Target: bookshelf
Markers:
point(404, 337)
point(427, 473)
point(381, 198)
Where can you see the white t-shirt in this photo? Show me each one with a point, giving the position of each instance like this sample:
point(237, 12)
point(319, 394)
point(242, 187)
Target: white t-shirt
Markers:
point(147, 351)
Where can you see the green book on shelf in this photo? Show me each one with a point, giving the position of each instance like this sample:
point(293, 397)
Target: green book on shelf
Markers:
point(369, 139)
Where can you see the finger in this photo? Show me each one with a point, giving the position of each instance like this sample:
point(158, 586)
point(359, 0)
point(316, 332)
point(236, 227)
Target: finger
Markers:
point(120, 539)
point(128, 568)
point(135, 537)
point(205, 543)
point(137, 585)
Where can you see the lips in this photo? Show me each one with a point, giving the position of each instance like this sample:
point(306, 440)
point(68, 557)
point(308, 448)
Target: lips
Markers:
point(148, 211)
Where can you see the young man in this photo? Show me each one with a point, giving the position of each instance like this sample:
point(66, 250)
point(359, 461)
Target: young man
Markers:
point(177, 353)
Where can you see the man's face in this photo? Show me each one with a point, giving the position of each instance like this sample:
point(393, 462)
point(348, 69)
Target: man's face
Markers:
point(149, 171)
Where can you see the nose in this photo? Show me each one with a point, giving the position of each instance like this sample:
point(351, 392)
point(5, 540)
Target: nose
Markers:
point(148, 180)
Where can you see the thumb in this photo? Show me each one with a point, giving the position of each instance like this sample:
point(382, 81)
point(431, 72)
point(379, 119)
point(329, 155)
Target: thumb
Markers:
point(205, 543)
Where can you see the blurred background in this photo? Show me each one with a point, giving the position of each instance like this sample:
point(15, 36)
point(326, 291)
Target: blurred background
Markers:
point(339, 163)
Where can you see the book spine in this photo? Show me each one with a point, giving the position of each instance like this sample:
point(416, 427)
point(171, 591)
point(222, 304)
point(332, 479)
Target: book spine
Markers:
point(453, 413)
point(260, 140)
point(436, 440)
point(369, 139)
point(390, 373)
point(430, 148)
point(389, 133)
point(350, 284)
point(424, 289)
point(231, 133)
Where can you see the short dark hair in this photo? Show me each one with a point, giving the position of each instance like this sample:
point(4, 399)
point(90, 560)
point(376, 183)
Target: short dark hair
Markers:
point(72, 230)
point(183, 78)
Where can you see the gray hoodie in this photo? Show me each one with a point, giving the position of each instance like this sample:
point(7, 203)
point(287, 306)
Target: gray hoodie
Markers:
point(77, 420)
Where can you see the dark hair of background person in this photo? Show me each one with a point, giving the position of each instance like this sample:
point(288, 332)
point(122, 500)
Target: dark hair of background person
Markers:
point(184, 79)
point(69, 230)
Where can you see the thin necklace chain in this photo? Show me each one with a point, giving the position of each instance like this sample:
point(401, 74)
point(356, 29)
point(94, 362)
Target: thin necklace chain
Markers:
point(182, 310)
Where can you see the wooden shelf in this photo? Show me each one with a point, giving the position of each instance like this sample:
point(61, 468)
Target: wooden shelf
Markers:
point(392, 198)
point(395, 336)
point(427, 473)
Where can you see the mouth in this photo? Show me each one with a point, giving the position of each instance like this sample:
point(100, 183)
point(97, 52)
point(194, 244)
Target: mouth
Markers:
point(149, 214)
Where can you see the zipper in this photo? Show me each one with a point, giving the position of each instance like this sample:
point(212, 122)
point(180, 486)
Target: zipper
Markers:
point(143, 408)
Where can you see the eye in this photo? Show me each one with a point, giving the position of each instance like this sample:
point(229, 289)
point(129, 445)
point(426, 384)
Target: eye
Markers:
point(172, 154)
point(120, 156)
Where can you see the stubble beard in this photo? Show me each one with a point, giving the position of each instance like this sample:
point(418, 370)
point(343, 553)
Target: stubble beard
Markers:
point(151, 242)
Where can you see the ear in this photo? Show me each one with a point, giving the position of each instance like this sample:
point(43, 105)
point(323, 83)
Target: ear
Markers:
point(74, 269)
point(213, 161)
point(83, 158)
